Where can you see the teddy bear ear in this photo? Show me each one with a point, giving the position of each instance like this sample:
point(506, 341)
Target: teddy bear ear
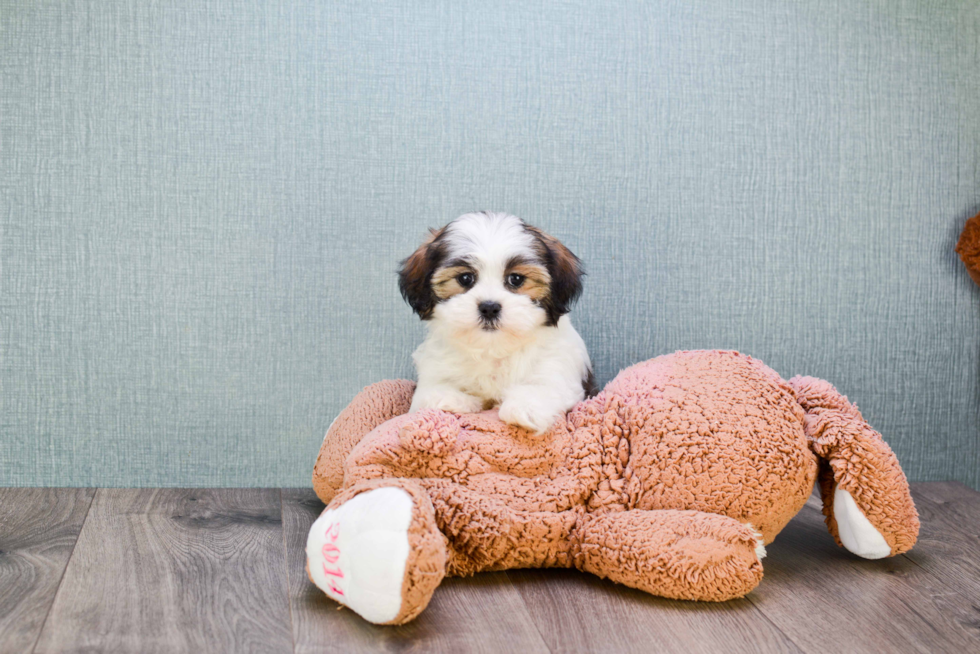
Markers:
point(566, 273)
point(968, 247)
point(415, 274)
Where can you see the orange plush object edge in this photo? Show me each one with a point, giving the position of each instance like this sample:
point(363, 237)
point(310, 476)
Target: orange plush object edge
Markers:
point(968, 247)
point(671, 480)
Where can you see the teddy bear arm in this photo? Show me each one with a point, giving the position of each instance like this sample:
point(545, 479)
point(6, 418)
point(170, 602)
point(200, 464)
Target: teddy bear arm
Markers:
point(676, 554)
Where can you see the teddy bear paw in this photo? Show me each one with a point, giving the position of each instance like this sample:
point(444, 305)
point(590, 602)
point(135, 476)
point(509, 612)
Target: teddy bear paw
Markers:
point(855, 530)
point(357, 553)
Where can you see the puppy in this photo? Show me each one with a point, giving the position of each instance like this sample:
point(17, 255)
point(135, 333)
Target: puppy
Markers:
point(494, 292)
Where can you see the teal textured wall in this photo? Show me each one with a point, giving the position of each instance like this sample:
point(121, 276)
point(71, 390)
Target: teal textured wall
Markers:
point(202, 205)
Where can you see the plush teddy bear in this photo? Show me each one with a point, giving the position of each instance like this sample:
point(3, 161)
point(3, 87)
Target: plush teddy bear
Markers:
point(968, 247)
point(670, 480)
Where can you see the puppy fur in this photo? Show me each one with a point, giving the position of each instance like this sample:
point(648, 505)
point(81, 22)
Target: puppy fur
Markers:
point(494, 293)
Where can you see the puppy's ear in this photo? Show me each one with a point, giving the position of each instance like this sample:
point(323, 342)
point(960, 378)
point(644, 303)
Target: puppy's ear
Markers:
point(566, 275)
point(415, 274)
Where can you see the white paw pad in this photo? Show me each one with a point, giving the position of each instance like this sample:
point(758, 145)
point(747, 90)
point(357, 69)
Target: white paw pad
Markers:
point(357, 552)
point(857, 533)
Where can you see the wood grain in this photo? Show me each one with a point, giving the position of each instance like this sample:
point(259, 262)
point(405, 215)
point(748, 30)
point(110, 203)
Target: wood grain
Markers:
point(175, 570)
point(483, 613)
point(223, 570)
point(38, 530)
point(578, 612)
point(826, 599)
point(949, 545)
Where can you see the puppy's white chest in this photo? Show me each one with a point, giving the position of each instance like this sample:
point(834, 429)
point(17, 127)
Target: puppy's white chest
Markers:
point(489, 379)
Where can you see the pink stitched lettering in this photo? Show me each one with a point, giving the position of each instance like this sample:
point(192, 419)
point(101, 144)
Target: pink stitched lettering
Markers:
point(331, 554)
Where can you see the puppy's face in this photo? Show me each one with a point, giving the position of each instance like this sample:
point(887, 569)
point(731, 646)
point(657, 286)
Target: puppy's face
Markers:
point(489, 273)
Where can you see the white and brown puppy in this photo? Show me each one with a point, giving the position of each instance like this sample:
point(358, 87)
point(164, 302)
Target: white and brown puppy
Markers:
point(494, 293)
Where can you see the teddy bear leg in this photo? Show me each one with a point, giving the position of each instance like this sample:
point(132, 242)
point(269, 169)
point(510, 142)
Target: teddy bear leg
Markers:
point(678, 554)
point(854, 530)
point(374, 405)
point(377, 550)
point(485, 533)
point(866, 498)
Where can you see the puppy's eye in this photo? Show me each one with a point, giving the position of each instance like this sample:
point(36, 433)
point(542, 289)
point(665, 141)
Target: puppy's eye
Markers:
point(466, 279)
point(514, 280)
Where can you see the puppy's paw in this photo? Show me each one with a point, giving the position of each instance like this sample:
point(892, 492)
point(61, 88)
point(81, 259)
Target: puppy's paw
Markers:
point(449, 400)
point(523, 412)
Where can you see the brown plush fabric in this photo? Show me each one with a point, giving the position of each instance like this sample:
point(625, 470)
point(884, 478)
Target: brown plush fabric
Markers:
point(858, 460)
point(677, 554)
point(659, 482)
point(725, 435)
point(372, 406)
point(968, 247)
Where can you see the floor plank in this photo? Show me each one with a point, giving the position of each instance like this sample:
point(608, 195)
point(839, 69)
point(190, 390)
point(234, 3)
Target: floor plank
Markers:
point(164, 570)
point(949, 542)
point(222, 570)
point(826, 599)
point(38, 529)
point(483, 613)
point(578, 612)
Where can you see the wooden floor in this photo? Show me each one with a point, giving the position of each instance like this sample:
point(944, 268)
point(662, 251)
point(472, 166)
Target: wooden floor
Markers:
point(166, 570)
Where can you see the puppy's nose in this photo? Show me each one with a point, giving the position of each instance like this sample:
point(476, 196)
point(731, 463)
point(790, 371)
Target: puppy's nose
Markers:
point(489, 309)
